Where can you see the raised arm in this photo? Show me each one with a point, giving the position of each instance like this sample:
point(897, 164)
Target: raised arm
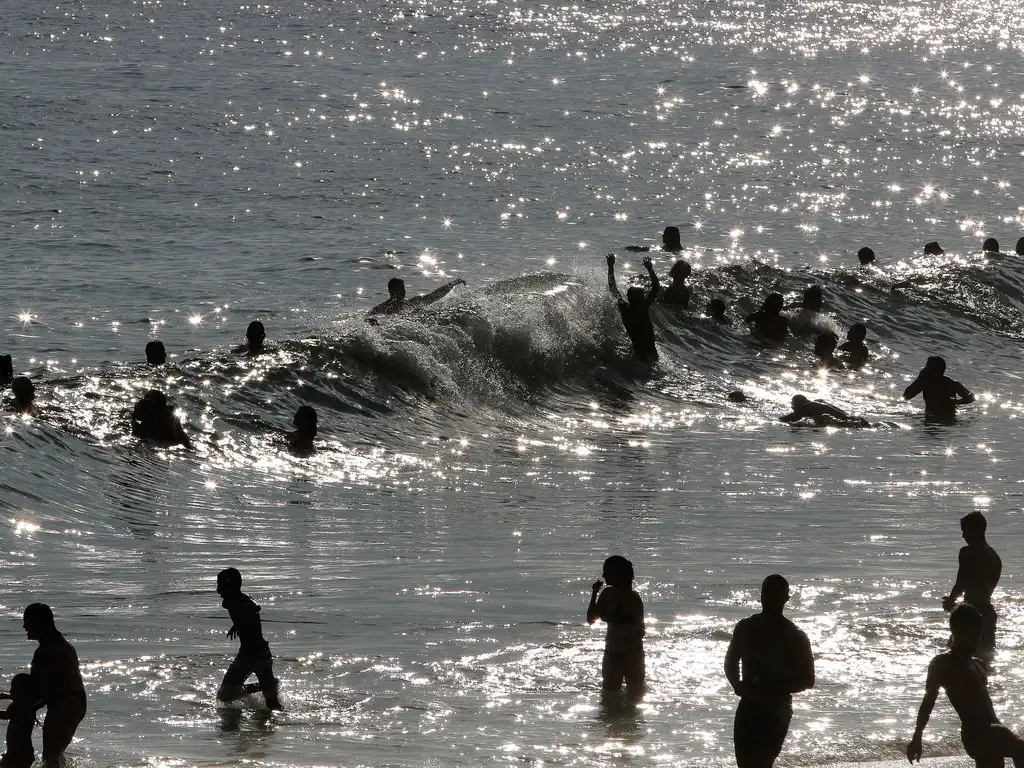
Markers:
point(915, 388)
point(437, 295)
point(592, 613)
point(613, 289)
point(655, 285)
point(931, 693)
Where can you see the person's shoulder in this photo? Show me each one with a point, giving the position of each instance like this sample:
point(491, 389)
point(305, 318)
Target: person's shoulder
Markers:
point(939, 663)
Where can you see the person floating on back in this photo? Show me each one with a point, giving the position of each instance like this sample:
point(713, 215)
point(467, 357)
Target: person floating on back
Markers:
point(825, 351)
point(155, 353)
point(6, 369)
point(153, 418)
point(855, 351)
point(941, 394)
point(398, 303)
point(636, 311)
point(865, 256)
point(56, 682)
point(776, 662)
point(618, 604)
point(965, 680)
point(716, 308)
point(24, 395)
point(253, 651)
point(301, 440)
point(978, 574)
point(821, 413)
point(678, 293)
point(670, 240)
point(768, 323)
point(21, 719)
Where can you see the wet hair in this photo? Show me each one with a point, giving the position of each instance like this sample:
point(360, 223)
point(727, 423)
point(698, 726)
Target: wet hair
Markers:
point(230, 577)
point(670, 239)
point(619, 563)
point(21, 686)
point(41, 615)
point(396, 286)
point(865, 255)
point(1020, 247)
point(737, 397)
point(965, 616)
point(256, 330)
point(936, 364)
point(991, 245)
point(680, 270)
point(933, 249)
point(974, 521)
point(635, 294)
point(774, 590)
point(155, 353)
point(773, 302)
point(827, 340)
point(796, 402)
point(6, 368)
point(306, 418)
point(857, 332)
point(23, 388)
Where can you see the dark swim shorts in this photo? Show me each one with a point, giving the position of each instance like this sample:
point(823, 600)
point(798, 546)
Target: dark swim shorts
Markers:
point(759, 730)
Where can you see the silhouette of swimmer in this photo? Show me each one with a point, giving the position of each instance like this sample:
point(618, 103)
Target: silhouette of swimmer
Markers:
point(153, 418)
point(825, 351)
point(865, 256)
point(24, 395)
point(991, 245)
point(978, 574)
point(768, 322)
point(398, 303)
point(1020, 247)
point(813, 299)
point(933, 249)
point(965, 680)
point(301, 440)
point(737, 397)
point(678, 293)
point(716, 308)
point(941, 394)
point(854, 349)
point(635, 311)
point(6, 369)
point(155, 353)
point(821, 413)
point(618, 604)
point(670, 240)
point(253, 652)
point(21, 719)
point(255, 336)
point(56, 682)
point(776, 662)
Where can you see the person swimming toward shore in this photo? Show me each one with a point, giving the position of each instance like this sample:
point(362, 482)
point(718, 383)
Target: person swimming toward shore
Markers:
point(153, 418)
point(821, 413)
point(977, 575)
point(824, 350)
point(678, 292)
point(941, 394)
point(987, 741)
point(397, 302)
point(855, 351)
point(619, 605)
point(301, 440)
point(716, 309)
point(24, 392)
point(635, 310)
point(155, 353)
point(768, 323)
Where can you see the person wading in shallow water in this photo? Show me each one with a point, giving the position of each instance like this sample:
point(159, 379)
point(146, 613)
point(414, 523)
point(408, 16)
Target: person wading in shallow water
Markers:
point(636, 311)
point(776, 662)
point(978, 575)
point(941, 394)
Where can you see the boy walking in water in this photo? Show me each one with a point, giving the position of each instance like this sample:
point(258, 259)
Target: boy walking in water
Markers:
point(776, 662)
point(253, 652)
point(978, 574)
point(985, 739)
point(618, 604)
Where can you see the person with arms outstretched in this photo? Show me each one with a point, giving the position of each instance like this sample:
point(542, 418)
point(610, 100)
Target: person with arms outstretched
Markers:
point(619, 605)
point(254, 655)
point(941, 394)
point(987, 741)
point(636, 311)
point(978, 574)
point(397, 302)
point(776, 661)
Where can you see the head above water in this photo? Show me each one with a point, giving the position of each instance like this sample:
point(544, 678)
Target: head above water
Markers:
point(680, 271)
point(966, 626)
point(306, 419)
point(635, 295)
point(155, 353)
point(617, 570)
point(865, 255)
point(737, 397)
point(229, 580)
point(396, 287)
point(773, 304)
point(670, 239)
point(774, 593)
point(38, 621)
point(857, 332)
point(23, 389)
point(256, 333)
point(825, 343)
point(813, 298)
point(933, 249)
point(973, 526)
point(991, 245)
point(936, 366)
point(798, 402)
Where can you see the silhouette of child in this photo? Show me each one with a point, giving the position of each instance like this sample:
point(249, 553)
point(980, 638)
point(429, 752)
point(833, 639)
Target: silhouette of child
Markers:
point(253, 652)
point(21, 719)
point(618, 604)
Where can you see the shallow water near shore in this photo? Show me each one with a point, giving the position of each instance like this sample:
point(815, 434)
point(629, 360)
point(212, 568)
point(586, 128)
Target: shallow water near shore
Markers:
point(175, 170)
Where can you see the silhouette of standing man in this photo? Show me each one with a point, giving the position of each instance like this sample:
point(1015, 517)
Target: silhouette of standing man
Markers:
point(56, 680)
point(776, 663)
point(978, 574)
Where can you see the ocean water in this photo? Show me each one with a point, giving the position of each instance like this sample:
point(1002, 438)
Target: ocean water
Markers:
point(174, 170)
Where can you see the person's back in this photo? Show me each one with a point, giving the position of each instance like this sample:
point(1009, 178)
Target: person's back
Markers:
point(865, 256)
point(768, 322)
point(678, 293)
point(854, 348)
point(941, 394)
point(301, 440)
point(24, 395)
point(824, 350)
point(156, 354)
point(635, 311)
point(21, 719)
